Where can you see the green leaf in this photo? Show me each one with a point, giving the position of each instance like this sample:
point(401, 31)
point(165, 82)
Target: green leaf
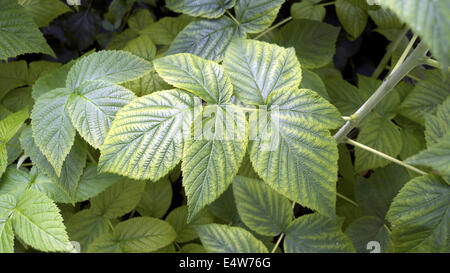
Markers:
point(44, 11)
point(70, 171)
point(316, 233)
point(207, 39)
point(307, 10)
point(18, 33)
point(38, 223)
point(257, 69)
point(92, 183)
point(203, 78)
point(55, 79)
point(224, 208)
point(52, 128)
point(225, 239)
point(437, 156)
point(385, 19)
point(142, 46)
point(147, 84)
point(427, 18)
point(186, 232)
point(3, 158)
point(261, 208)
point(146, 138)
point(11, 124)
point(375, 194)
point(382, 135)
point(12, 75)
point(141, 234)
point(141, 19)
point(426, 96)
point(109, 66)
point(7, 205)
point(419, 216)
point(192, 248)
point(412, 137)
point(164, 31)
point(311, 80)
point(367, 229)
point(294, 152)
point(352, 17)
point(201, 8)
point(85, 226)
point(16, 181)
point(439, 125)
point(156, 199)
point(314, 41)
point(256, 16)
point(211, 160)
point(93, 106)
point(119, 199)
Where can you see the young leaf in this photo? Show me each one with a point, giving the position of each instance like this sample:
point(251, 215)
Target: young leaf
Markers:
point(257, 69)
point(118, 199)
point(203, 78)
point(146, 138)
point(352, 17)
point(207, 39)
point(225, 239)
point(211, 161)
point(7, 205)
point(201, 8)
point(307, 10)
point(419, 216)
point(156, 198)
point(261, 208)
point(93, 106)
point(294, 152)
point(52, 129)
point(256, 16)
point(368, 229)
point(316, 233)
point(18, 33)
point(109, 66)
point(37, 221)
point(141, 234)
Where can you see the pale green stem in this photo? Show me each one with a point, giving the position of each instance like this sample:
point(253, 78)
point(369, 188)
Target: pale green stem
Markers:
point(390, 50)
point(347, 199)
point(233, 18)
point(388, 84)
point(277, 243)
point(405, 52)
point(273, 27)
point(385, 156)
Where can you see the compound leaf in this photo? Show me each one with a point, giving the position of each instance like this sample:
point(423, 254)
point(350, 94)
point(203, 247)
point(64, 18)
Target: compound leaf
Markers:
point(146, 138)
